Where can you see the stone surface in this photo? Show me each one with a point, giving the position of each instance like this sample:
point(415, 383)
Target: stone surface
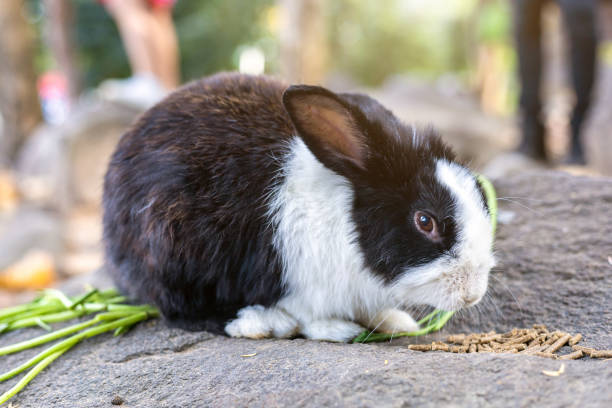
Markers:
point(476, 137)
point(28, 228)
point(60, 169)
point(62, 166)
point(553, 250)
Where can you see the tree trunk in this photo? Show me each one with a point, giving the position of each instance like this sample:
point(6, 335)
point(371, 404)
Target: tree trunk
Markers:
point(303, 50)
point(19, 106)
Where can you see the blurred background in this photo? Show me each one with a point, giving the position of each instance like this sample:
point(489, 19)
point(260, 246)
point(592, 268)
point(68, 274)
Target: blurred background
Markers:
point(71, 82)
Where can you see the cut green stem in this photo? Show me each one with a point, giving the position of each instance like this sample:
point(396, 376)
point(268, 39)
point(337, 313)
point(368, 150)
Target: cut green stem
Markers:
point(71, 341)
point(435, 321)
point(32, 311)
point(56, 294)
point(30, 375)
point(83, 298)
point(53, 306)
point(37, 341)
point(49, 318)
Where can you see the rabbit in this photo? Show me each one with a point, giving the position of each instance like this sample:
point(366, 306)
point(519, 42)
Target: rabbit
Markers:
point(246, 207)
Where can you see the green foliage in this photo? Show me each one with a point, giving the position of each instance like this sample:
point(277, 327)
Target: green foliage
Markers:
point(372, 40)
point(210, 32)
point(430, 323)
point(494, 22)
point(100, 53)
point(53, 306)
point(368, 40)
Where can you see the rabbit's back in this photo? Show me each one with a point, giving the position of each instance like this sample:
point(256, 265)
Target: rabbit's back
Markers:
point(185, 200)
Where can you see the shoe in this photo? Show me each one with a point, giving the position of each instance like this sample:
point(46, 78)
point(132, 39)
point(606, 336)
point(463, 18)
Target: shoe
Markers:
point(574, 159)
point(575, 156)
point(140, 91)
point(532, 145)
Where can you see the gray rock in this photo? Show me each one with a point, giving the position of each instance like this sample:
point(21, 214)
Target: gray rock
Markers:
point(553, 269)
point(62, 166)
point(29, 228)
point(476, 137)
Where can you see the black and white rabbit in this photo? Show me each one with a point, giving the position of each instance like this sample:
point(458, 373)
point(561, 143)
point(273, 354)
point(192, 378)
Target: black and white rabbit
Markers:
point(243, 206)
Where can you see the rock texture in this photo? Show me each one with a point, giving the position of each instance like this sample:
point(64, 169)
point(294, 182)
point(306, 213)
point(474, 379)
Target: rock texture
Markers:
point(553, 248)
point(62, 166)
point(477, 138)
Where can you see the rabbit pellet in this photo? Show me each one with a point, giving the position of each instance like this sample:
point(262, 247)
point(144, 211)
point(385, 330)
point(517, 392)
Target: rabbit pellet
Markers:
point(537, 341)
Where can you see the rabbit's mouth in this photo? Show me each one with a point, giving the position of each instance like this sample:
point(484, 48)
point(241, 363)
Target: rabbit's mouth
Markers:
point(449, 283)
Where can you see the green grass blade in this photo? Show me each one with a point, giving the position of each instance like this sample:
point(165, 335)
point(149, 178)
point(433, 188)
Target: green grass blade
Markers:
point(11, 311)
point(444, 317)
point(93, 307)
point(56, 294)
point(49, 318)
point(83, 298)
point(130, 308)
point(116, 299)
point(43, 325)
point(34, 311)
point(109, 316)
point(427, 319)
point(71, 341)
point(66, 344)
point(37, 341)
point(491, 196)
point(109, 293)
point(120, 330)
point(30, 376)
point(125, 321)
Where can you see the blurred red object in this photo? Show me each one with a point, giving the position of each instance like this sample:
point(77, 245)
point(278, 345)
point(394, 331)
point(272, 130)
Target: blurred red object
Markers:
point(54, 99)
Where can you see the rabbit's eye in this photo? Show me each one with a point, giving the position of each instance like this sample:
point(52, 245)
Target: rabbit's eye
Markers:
point(427, 225)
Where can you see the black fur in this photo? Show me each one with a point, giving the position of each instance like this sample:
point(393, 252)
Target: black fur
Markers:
point(201, 249)
point(185, 224)
point(399, 179)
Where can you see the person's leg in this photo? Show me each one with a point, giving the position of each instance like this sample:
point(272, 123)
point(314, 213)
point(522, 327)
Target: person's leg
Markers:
point(134, 22)
point(580, 19)
point(527, 29)
point(164, 45)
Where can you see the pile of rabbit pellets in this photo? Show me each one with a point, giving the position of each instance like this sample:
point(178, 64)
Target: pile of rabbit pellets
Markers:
point(537, 341)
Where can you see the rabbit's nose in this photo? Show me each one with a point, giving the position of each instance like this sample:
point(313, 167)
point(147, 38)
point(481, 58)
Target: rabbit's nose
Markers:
point(470, 300)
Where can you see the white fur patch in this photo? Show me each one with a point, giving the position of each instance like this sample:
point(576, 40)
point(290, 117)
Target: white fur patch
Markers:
point(258, 322)
point(324, 270)
point(394, 321)
point(329, 288)
point(458, 279)
point(331, 330)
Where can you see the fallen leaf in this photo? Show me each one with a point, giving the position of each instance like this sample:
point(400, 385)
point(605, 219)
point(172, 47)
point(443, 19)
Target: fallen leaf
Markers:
point(249, 355)
point(35, 270)
point(8, 192)
point(557, 373)
point(386, 362)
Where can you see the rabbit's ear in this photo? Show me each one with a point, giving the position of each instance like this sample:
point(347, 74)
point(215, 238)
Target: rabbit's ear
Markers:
point(327, 125)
